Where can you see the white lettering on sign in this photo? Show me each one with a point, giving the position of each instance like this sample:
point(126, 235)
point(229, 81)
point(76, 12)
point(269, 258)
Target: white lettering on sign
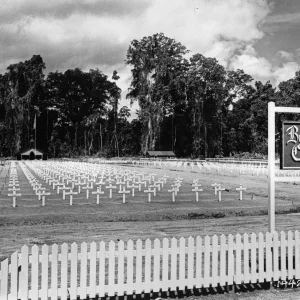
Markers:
point(294, 138)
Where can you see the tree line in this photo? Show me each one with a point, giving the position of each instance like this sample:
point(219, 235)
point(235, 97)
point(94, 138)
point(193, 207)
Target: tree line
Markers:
point(187, 103)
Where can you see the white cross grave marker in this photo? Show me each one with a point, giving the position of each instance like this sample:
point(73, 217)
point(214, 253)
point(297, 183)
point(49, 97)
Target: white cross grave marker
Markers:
point(241, 189)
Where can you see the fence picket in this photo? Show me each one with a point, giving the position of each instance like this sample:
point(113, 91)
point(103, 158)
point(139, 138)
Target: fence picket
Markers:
point(4, 280)
point(24, 273)
point(165, 264)
point(223, 262)
point(215, 264)
point(199, 280)
point(269, 261)
point(230, 260)
point(64, 272)
point(290, 255)
point(14, 276)
point(253, 258)
point(156, 266)
point(34, 273)
point(190, 266)
point(83, 271)
point(129, 266)
point(246, 275)
point(139, 266)
point(147, 286)
point(275, 257)
point(93, 272)
point(101, 291)
point(238, 259)
point(54, 273)
point(261, 275)
point(111, 268)
point(297, 253)
point(120, 290)
point(283, 274)
point(45, 272)
point(206, 281)
point(173, 264)
point(182, 281)
point(74, 271)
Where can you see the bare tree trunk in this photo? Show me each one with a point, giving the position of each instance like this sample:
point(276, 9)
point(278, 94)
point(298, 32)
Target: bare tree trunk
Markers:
point(85, 142)
point(101, 137)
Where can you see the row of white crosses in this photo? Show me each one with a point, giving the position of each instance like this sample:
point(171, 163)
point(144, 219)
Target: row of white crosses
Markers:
point(36, 185)
point(219, 189)
point(124, 179)
point(13, 184)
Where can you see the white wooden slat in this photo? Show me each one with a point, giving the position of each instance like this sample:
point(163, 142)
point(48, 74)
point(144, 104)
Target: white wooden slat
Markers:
point(45, 272)
point(64, 272)
point(238, 259)
point(297, 255)
point(14, 276)
point(269, 257)
point(111, 268)
point(290, 255)
point(182, 281)
point(83, 271)
point(223, 262)
point(215, 261)
point(283, 273)
point(74, 271)
point(165, 264)
point(253, 258)
point(4, 280)
point(173, 264)
point(156, 266)
point(121, 268)
point(147, 286)
point(54, 272)
point(275, 257)
point(191, 252)
point(24, 273)
point(206, 279)
point(34, 272)
point(101, 291)
point(246, 275)
point(261, 274)
point(130, 267)
point(199, 278)
point(93, 264)
point(230, 260)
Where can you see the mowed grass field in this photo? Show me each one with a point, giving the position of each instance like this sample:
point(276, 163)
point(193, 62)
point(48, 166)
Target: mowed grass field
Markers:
point(30, 223)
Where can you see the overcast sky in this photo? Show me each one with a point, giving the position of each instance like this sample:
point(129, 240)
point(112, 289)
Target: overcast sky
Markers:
point(260, 37)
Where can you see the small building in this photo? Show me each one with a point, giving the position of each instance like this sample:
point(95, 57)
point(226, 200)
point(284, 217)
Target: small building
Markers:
point(160, 154)
point(31, 154)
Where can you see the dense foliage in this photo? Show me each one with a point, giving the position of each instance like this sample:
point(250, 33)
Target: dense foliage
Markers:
point(189, 104)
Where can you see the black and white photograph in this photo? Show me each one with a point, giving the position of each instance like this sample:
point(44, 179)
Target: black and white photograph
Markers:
point(149, 149)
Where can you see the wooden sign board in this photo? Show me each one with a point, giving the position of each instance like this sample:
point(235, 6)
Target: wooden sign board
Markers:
point(290, 152)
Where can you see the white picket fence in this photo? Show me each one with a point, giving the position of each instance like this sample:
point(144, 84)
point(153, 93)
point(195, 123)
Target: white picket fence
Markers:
point(136, 267)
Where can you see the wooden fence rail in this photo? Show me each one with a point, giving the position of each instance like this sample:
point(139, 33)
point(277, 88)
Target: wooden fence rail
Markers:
point(148, 266)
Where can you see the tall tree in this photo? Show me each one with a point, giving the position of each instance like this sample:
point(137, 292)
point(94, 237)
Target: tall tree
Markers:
point(21, 89)
point(153, 59)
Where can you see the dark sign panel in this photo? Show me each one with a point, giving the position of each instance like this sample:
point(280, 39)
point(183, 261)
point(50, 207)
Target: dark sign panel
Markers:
point(290, 153)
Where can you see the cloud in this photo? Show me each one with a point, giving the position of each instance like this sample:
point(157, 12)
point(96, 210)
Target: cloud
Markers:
point(291, 18)
point(286, 55)
point(262, 69)
point(285, 72)
point(12, 11)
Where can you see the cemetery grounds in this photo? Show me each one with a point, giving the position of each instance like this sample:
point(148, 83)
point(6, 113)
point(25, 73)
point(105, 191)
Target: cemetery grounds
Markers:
point(85, 221)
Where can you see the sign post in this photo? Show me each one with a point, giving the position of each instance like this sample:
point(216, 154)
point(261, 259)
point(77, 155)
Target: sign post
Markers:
point(271, 165)
point(287, 156)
